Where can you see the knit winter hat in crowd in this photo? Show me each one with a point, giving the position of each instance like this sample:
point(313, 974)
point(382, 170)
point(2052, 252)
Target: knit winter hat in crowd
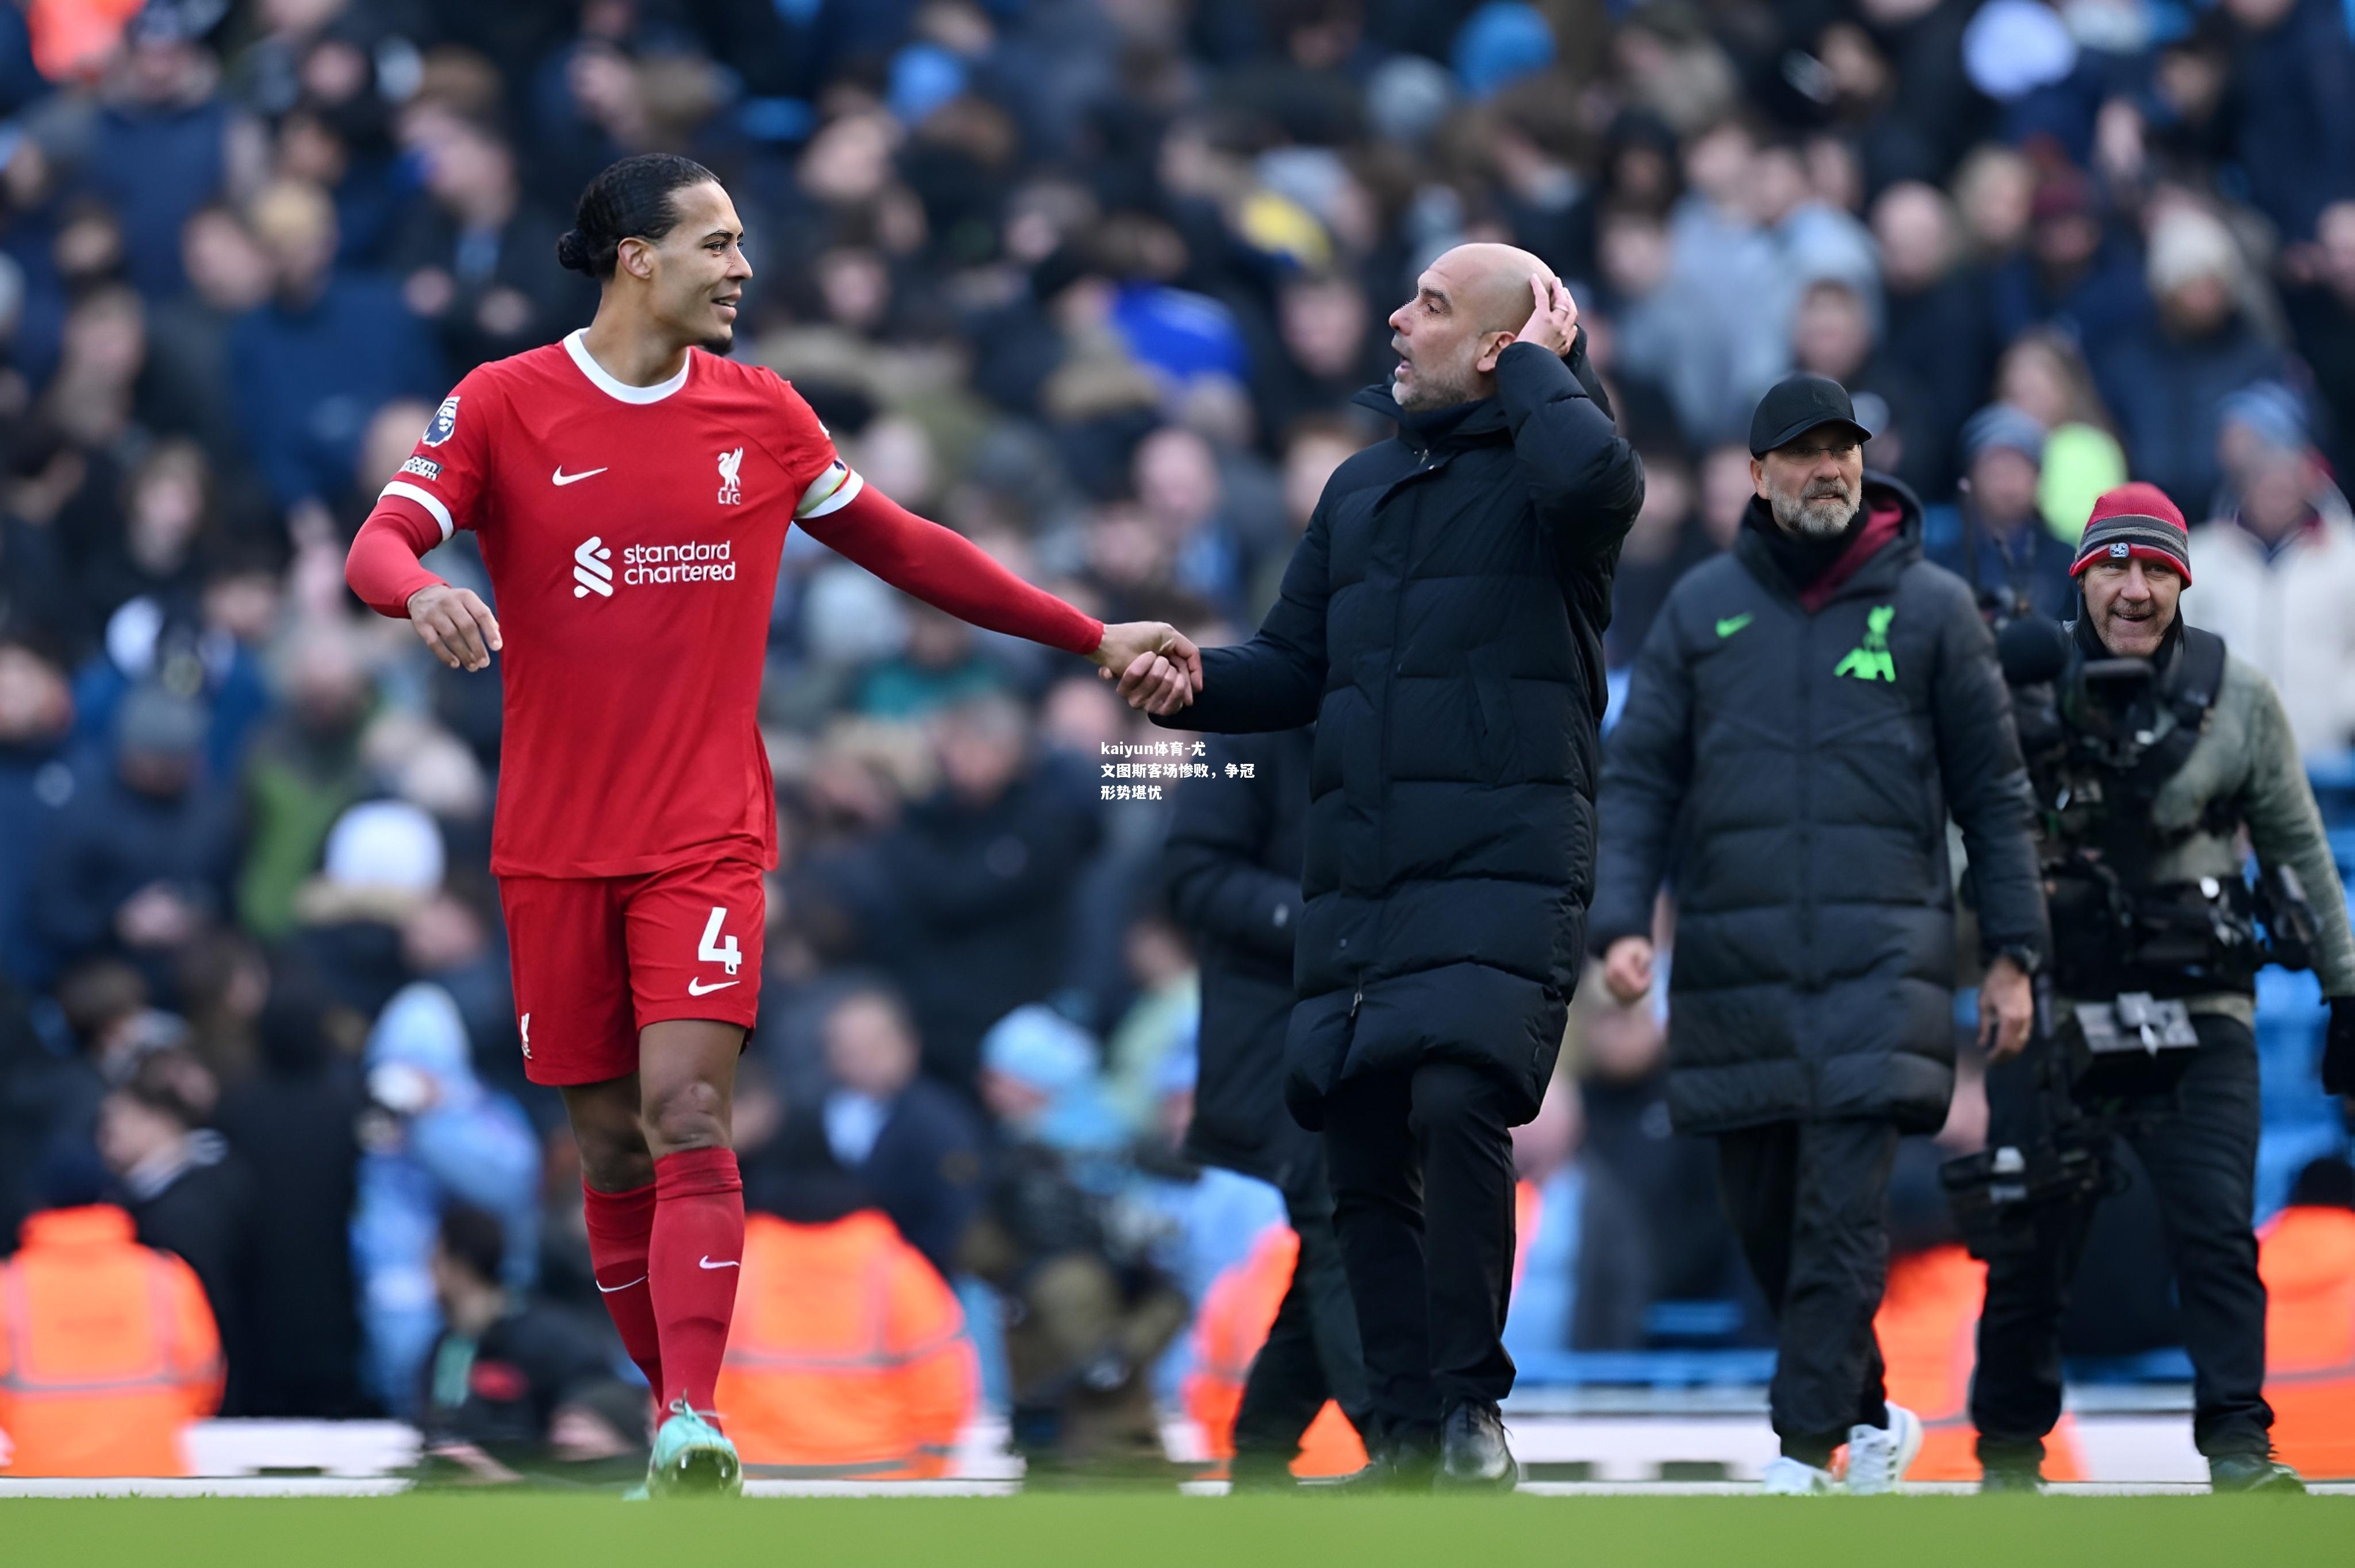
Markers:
point(2133, 521)
point(2003, 425)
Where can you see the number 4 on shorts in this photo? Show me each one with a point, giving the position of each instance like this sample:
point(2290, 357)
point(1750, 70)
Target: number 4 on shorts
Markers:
point(716, 948)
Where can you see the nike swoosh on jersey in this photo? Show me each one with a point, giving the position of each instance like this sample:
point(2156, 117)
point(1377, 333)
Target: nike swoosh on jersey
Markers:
point(609, 1290)
point(561, 477)
point(707, 1263)
point(697, 988)
point(1734, 623)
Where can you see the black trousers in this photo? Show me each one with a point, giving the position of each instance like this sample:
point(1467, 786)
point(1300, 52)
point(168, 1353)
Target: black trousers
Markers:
point(1809, 1200)
point(2199, 1145)
point(1422, 1167)
point(1311, 1352)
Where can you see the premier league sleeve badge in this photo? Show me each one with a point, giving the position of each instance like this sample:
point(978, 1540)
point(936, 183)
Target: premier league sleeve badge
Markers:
point(446, 421)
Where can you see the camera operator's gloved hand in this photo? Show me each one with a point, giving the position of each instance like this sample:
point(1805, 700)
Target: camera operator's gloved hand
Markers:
point(2338, 1048)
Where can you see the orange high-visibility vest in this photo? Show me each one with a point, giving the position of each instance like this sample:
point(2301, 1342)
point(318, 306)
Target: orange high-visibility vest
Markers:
point(1236, 1314)
point(107, 1351)
point(2306, 1258)
point(847, 1355)
point(1928, 1327)
point(75, 37)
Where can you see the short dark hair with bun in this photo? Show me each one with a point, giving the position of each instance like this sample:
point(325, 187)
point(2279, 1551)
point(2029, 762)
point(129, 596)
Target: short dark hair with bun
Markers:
point(635, 198)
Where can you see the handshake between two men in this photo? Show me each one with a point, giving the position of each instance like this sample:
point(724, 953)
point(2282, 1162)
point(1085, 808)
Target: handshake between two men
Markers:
point(1158, 668)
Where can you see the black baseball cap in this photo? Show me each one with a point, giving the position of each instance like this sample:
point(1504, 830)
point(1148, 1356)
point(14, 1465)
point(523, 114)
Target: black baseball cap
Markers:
point(1797, 404)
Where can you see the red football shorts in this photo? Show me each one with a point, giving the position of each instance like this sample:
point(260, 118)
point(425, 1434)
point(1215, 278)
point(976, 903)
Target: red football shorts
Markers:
point(597, 959)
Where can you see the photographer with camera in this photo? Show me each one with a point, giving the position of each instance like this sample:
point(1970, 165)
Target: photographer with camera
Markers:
point(2150, 750)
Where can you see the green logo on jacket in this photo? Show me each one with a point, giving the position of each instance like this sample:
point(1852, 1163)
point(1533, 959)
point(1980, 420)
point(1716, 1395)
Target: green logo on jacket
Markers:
point(1734, 623)
point(1869, 660)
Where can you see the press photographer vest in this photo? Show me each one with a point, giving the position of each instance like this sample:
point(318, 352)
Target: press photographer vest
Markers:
point(2114, 929)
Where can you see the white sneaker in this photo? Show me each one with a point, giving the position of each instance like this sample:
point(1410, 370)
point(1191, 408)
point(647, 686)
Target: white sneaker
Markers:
point(1788, 1477)
point(1878, 1456)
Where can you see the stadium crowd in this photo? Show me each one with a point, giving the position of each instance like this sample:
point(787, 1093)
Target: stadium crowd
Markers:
point(1094, 283)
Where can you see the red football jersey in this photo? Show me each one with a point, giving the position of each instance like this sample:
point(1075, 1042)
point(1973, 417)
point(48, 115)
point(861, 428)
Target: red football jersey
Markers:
point(633, 535)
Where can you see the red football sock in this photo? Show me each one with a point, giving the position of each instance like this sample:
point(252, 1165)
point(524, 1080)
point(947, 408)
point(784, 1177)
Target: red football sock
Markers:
point(621, 1226)
point(698, 1243)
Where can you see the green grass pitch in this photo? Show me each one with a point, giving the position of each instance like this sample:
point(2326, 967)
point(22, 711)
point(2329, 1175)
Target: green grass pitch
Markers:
point(1161, 1532)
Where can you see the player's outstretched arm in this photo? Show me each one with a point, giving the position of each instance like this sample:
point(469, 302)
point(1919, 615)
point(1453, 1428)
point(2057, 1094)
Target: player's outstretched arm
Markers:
point(945, 569)
point(383, 569)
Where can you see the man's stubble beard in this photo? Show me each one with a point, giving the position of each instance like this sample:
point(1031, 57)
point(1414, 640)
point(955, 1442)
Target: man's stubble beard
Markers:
point(1428, 393)
point(1816, 517)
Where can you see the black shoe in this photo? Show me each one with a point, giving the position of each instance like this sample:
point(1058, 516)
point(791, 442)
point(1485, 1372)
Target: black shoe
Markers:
point(2011, 1478)
point(2252, 1473)
point(1403, 1463)
point(1472, 1452)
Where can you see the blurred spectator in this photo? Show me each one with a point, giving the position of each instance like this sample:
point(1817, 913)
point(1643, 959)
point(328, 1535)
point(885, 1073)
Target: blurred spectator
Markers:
point(1212, 1212)
point(476, 261)
point(847, 1355)
point(502, 1368)
point(1667, 540)
point(33, 1086)
point(295, 1126)
point(36, 782)
point(107, 1348)
point(1313, 450)
point(187, 368)
point(2075, 275)
point(1672, 1177)
point(1665, 331)
point(2166, 386)
point(1582, 1271)
point(383, 862)
point(309, 367)
point(913, 1147)
point(1331, 349)
point(940, 665)
point(223, 983)
point(189, 1193)
point(2043, 375)
point(2322, 317)
point(140, 856)
point(301, 773)
point(1992, 537)
point(169, 513)
point(1832, 335)
point(2275, 579)
point(1178, 482)
point(1059, 1236)
point(972, 889)
point(161, 142)
point(1725, 492)
point(432, 1133)
point(2292, 84)
point(1937, 303)
point(1159, 1026)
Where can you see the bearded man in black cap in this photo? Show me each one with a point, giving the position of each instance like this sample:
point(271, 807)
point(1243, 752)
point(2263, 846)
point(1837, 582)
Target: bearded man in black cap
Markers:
point(1808, 710)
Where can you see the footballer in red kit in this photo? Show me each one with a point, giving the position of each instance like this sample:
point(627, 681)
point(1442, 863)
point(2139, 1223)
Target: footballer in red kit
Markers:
point(631, 490)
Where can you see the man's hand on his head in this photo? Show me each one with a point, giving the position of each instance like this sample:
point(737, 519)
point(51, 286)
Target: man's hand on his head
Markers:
point(1555, 323)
